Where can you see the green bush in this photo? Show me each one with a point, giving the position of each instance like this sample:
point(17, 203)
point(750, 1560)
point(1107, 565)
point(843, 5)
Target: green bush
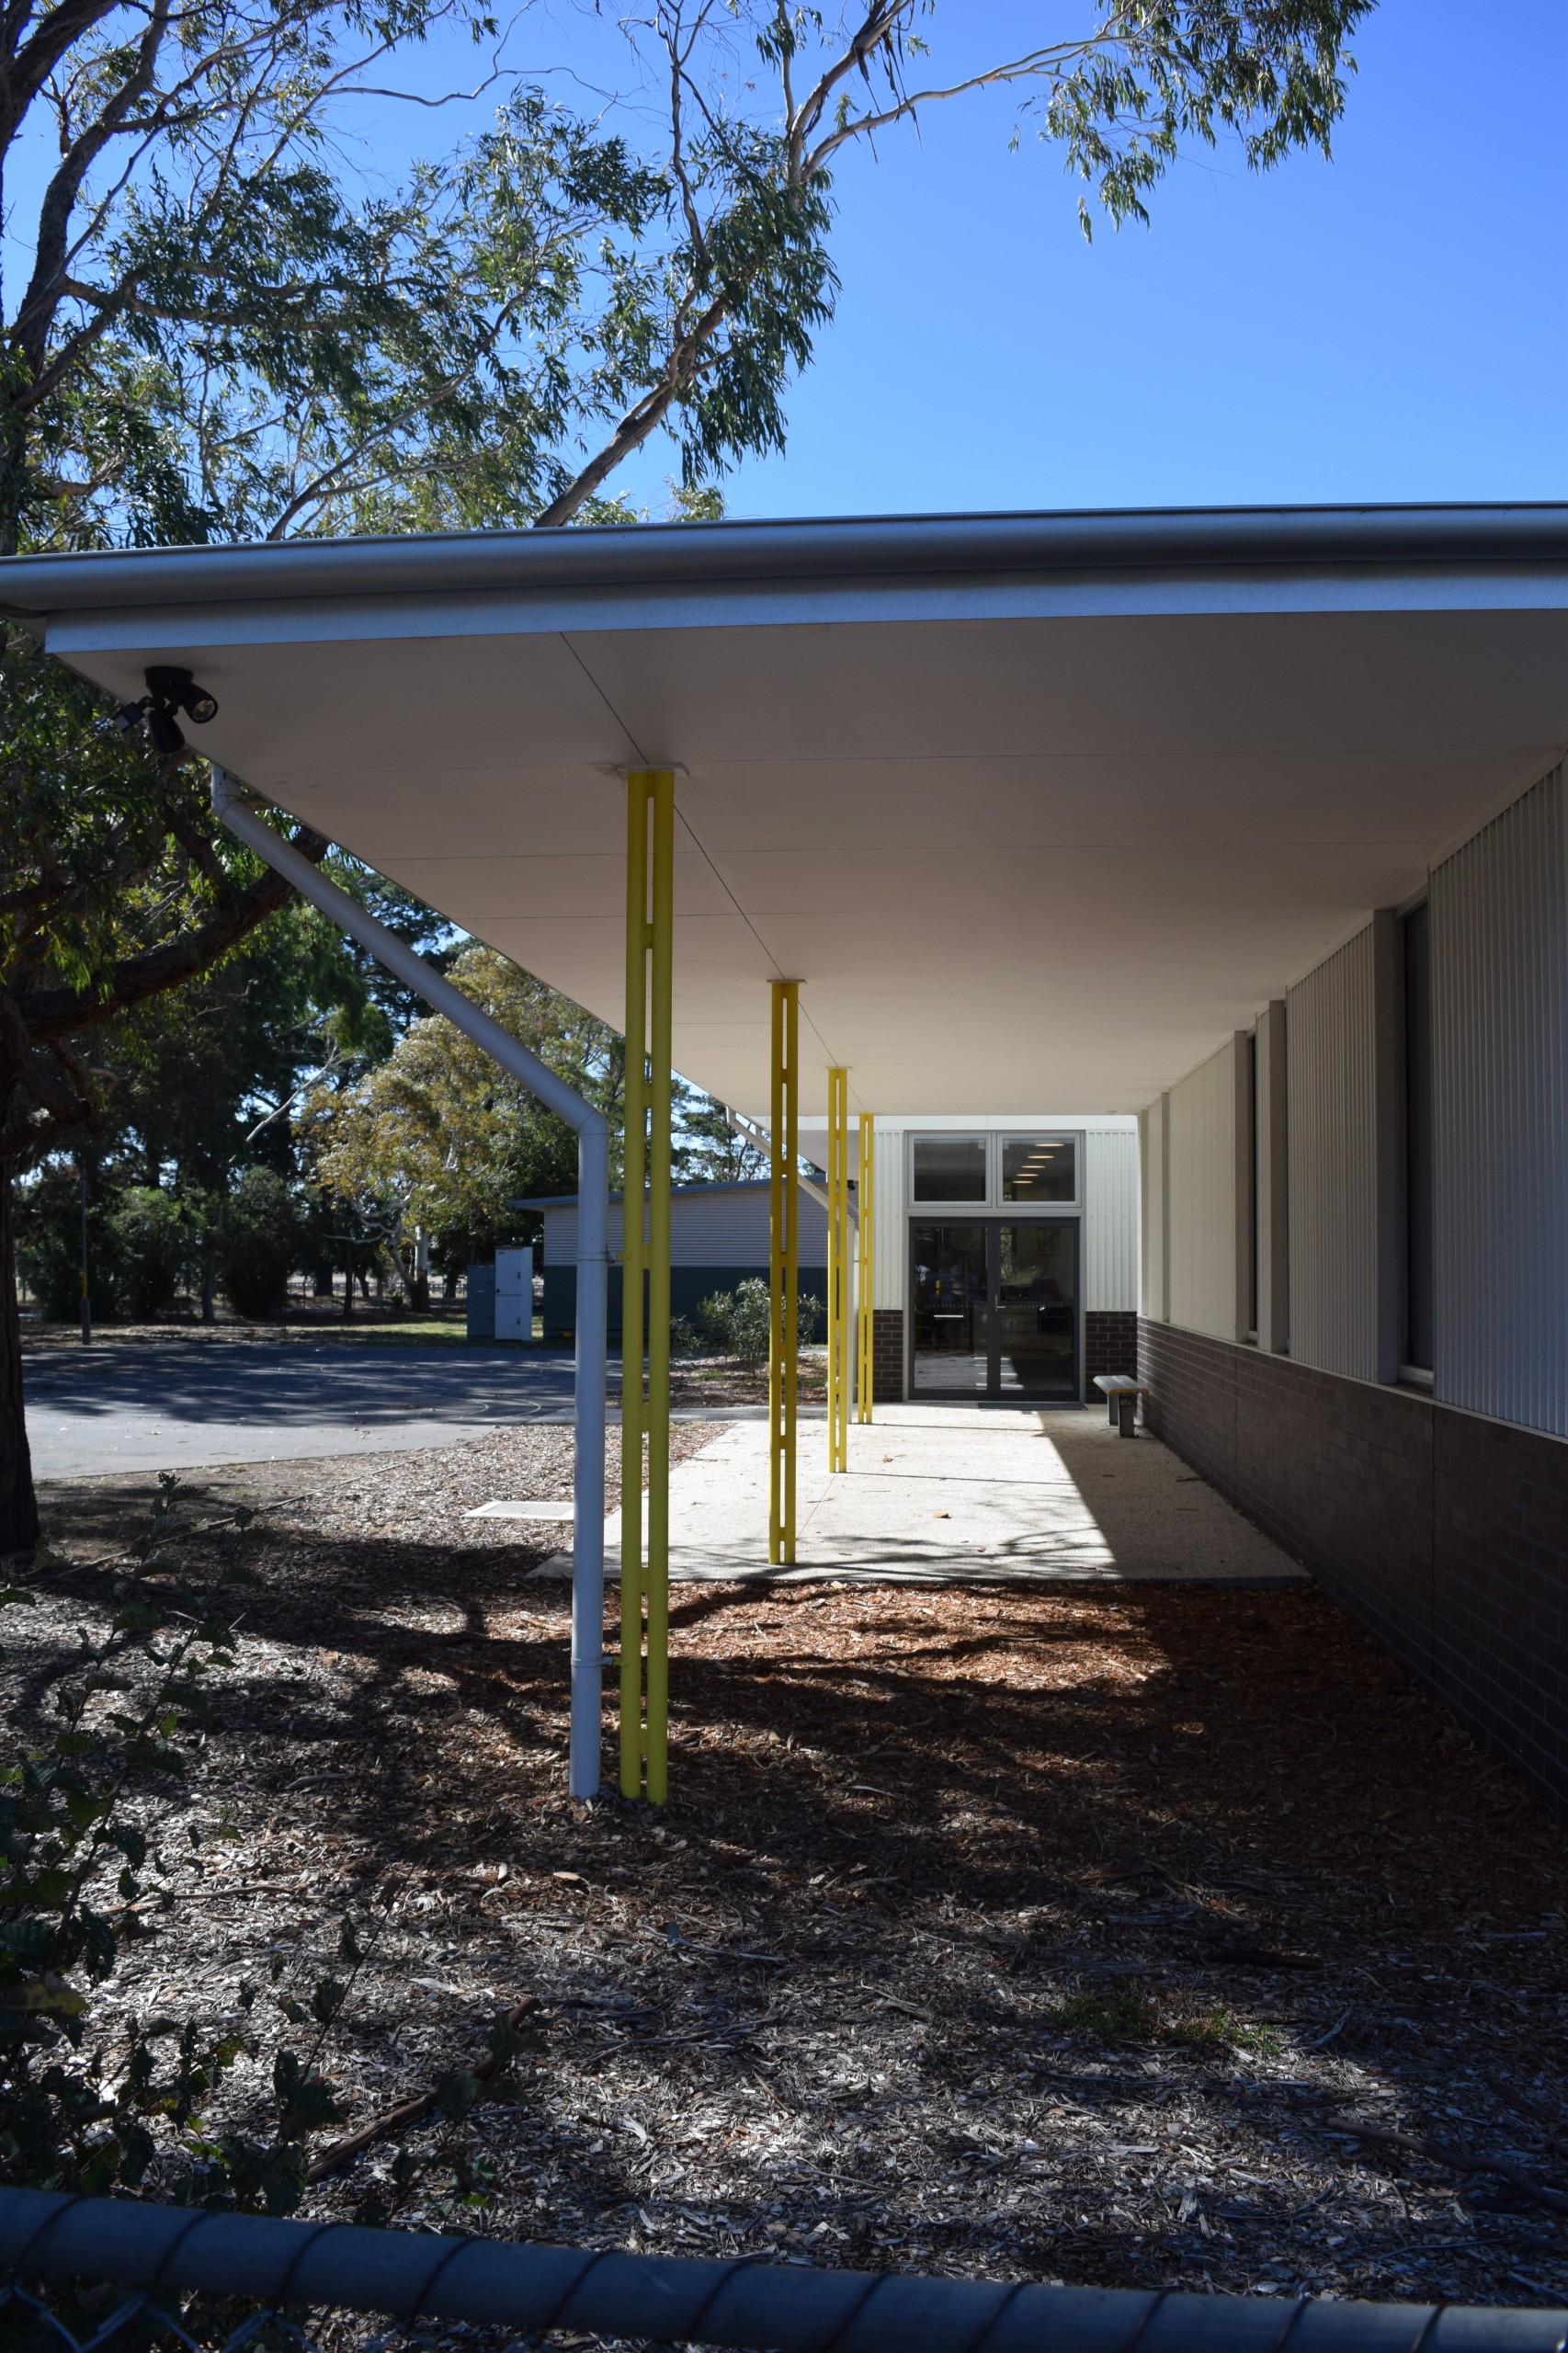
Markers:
point(738, 1322)
point(261, 1242)
point(684, 1340)
point(155, 1243)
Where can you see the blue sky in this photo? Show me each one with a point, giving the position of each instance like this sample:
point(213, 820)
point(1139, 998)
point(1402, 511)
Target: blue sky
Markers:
point(1390, 325)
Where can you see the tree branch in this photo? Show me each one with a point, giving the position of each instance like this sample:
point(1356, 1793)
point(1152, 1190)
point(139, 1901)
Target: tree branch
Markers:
point(58, 1013)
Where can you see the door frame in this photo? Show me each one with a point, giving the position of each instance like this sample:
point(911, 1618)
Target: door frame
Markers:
point(992, 1220)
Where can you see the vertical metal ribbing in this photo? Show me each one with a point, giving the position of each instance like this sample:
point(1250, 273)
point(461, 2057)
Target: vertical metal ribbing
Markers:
point(865, 1271)
point(783, 1275)
point(633, 1260)
point(839, 1269)
point(661, 789)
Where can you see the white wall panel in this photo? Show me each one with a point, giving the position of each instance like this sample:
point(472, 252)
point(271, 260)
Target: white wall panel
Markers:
point(1110, 1218)
point(1202, 1208)
point(890, 1241)
point(1154, 1161)
point(1332, 1138)
point(1271, 1179)
point(1500, 1075)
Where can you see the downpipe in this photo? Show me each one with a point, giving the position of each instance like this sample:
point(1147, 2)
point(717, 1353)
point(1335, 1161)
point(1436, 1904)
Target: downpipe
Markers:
point(232, 805)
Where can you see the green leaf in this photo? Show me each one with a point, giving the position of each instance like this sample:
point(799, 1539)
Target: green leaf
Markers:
point(328, 1999)
point(457, 2093)
point(304, 2103)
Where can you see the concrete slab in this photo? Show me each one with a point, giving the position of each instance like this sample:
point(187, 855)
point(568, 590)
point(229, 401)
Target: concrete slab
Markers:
point(936, 1494)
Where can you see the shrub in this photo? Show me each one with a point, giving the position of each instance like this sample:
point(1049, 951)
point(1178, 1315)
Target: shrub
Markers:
point(154, 1240)
point(684, 1338)
point(260, 1240)
point(738, 1322)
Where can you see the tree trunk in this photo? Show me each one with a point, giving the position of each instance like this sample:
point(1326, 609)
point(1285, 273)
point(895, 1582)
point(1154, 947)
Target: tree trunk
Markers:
point(19, 1506)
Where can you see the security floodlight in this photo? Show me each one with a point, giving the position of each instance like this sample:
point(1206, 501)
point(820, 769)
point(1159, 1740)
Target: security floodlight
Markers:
point(168, 690)
point(179, 688)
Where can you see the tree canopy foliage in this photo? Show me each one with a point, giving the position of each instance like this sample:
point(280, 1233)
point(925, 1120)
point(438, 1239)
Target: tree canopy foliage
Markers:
point(439, 1137)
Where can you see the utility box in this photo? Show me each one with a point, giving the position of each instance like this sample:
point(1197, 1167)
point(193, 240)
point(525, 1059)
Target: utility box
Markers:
point(515, 1295)
point(482, 1302)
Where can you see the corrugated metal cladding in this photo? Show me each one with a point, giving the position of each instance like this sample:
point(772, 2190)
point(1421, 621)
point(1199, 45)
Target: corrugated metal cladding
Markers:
point(1332, 1158)
point(1110, 1218)
point(1500, 1150)
point(726, 1227)
point(1201, 1209)
point(890, 1244)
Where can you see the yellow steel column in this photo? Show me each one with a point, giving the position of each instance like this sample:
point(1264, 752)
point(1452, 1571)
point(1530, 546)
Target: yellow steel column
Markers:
point(865, 1285)
point(632, 1263)
point(783, 1272)
point(661, 792)
point(838, 1275)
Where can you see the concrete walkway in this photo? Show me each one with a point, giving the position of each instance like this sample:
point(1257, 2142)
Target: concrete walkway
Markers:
point(939, 1493)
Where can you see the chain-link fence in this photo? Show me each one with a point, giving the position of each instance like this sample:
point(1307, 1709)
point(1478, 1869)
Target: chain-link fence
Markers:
point(284, 2271)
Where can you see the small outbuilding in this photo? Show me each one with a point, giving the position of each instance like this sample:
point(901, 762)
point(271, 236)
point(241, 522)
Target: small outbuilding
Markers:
point(718, 1240)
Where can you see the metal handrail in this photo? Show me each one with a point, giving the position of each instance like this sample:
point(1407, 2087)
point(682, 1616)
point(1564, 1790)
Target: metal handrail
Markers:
point(678, 2299)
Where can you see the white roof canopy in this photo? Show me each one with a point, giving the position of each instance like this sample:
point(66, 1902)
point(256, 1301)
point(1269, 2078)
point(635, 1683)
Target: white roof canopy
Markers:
point(1037, 808)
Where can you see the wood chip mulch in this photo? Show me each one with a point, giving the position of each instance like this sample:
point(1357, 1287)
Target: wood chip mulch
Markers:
point(1040, 1935)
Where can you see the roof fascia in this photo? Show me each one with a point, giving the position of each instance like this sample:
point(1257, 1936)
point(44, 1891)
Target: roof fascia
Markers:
point(882, 557)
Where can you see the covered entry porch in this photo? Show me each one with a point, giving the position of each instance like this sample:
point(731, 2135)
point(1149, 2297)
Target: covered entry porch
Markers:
point(1144, 773)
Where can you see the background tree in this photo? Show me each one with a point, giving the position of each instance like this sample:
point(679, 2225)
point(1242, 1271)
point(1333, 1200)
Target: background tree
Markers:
point(437, 1137)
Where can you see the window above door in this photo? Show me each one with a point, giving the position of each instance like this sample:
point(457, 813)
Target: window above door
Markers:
point(1020, 1171)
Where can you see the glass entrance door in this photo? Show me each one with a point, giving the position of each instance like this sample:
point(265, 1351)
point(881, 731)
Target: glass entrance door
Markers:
point(1037, 1311)
point(950, 1291)
point(996, 1309)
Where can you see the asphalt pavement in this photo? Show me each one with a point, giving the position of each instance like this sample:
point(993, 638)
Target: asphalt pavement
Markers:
point(133, 1407)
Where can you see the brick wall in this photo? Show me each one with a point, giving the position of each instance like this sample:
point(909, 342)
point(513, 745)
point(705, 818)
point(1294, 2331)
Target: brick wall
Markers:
point(887, 1355)
point(1110, 1344)
point(1444, 1533)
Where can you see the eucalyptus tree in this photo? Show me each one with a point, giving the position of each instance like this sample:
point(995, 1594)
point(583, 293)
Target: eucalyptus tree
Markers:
point(759, 98)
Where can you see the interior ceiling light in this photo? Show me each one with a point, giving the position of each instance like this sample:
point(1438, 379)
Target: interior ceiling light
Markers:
point(168, 690)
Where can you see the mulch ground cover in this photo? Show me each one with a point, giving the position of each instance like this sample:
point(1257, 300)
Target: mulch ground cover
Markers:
point(1054, 1934)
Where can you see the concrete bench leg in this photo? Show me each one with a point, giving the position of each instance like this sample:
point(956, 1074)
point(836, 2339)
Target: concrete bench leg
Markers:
point(1125, 1405)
